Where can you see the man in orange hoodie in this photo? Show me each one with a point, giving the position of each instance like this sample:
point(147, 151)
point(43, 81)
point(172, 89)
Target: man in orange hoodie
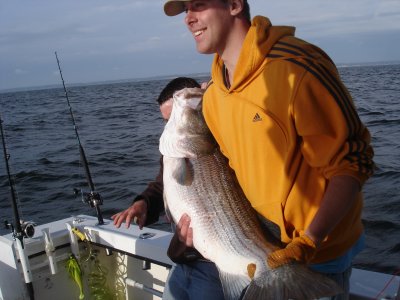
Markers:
point(282, 116)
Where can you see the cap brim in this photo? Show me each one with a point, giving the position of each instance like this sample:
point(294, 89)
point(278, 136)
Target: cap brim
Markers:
point(174, 7)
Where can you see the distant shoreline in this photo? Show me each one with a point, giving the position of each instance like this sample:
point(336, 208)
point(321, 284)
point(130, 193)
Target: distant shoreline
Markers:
point(162, 77)
point(55, 86)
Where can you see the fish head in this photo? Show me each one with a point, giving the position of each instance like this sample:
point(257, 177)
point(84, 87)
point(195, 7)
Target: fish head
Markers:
point(186, 134)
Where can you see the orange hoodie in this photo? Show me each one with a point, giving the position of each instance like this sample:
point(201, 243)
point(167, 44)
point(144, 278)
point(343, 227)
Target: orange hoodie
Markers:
point(287, 125)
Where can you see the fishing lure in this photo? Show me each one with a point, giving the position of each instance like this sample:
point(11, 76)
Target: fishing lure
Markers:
point(79, 234)
point(75, 272)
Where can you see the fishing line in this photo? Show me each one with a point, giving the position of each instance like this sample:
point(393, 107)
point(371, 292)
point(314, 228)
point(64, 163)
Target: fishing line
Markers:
point(18, 231)
point(83, 238)
point(27, 228)
point(388, 283)
point(92, 198)
point(97, 276)
point(97, 280)
point(12, 172)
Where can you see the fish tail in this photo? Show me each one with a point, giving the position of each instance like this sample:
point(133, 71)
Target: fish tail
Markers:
point(233, 285)
point(292, 281)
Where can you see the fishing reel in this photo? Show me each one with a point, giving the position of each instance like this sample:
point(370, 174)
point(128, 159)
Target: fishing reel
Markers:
point(27, 229)
point(92, 198)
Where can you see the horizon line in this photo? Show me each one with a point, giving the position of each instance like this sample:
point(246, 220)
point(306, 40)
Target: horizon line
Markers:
point(161, 77)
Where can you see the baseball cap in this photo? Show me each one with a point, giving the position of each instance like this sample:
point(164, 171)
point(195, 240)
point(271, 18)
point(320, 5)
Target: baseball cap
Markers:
point(174, 7)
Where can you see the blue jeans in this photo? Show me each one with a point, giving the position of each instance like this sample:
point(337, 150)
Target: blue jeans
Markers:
point(197, 280)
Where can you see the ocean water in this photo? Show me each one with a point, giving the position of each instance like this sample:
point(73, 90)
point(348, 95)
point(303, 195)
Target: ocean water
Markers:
point(119, 125)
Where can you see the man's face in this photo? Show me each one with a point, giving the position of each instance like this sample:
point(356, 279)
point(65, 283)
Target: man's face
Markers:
point(209, 21)
point(166, 109)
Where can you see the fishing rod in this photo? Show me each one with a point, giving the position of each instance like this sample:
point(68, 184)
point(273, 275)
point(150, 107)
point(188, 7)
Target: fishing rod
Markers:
point(93, 198)
point(20, 229)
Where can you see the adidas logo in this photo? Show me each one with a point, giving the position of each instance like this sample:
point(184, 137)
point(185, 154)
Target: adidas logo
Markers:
point(257, 118)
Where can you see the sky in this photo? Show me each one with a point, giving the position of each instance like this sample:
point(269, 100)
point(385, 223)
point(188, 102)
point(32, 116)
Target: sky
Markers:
point(103, 40)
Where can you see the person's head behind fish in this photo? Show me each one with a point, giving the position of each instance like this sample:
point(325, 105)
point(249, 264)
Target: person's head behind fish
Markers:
point(186, 134)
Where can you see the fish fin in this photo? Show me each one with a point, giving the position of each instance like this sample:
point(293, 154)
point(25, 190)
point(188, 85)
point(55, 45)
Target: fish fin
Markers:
point(233, 284)
point(183, 172)
point(289, 282)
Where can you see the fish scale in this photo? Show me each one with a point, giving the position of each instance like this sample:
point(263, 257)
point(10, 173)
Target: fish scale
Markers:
point(199, 182)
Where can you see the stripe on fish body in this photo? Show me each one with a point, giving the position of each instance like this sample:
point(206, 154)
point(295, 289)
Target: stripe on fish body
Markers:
point(199, 182)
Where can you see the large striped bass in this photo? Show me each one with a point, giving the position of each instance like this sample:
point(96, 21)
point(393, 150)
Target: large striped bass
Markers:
point(199, 182)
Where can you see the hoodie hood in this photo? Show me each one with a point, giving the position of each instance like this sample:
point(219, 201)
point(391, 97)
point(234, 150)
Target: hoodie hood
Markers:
point(258, 42)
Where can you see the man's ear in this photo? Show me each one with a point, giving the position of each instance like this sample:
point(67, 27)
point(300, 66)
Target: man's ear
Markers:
point(236, 7)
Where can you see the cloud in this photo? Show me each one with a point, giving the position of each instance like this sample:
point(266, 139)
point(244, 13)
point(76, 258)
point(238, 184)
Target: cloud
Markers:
point(95, 36)
point(130, 6)
point(322, 18)
point(20, 72)
point(141, 46)
point(89, 29)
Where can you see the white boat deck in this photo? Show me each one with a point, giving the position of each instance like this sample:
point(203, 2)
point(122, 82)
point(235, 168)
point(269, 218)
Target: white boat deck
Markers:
point(133, 247)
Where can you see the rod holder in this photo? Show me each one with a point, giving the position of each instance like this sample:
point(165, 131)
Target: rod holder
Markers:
point(50, 250)
point(73, 240)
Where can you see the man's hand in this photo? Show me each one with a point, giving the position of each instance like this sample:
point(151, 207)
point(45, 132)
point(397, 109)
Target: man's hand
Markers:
point(184, 231)
point(137, 213)
point(302, 249)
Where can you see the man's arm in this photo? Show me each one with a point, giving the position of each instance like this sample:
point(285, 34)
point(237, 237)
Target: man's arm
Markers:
point(339, 197)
